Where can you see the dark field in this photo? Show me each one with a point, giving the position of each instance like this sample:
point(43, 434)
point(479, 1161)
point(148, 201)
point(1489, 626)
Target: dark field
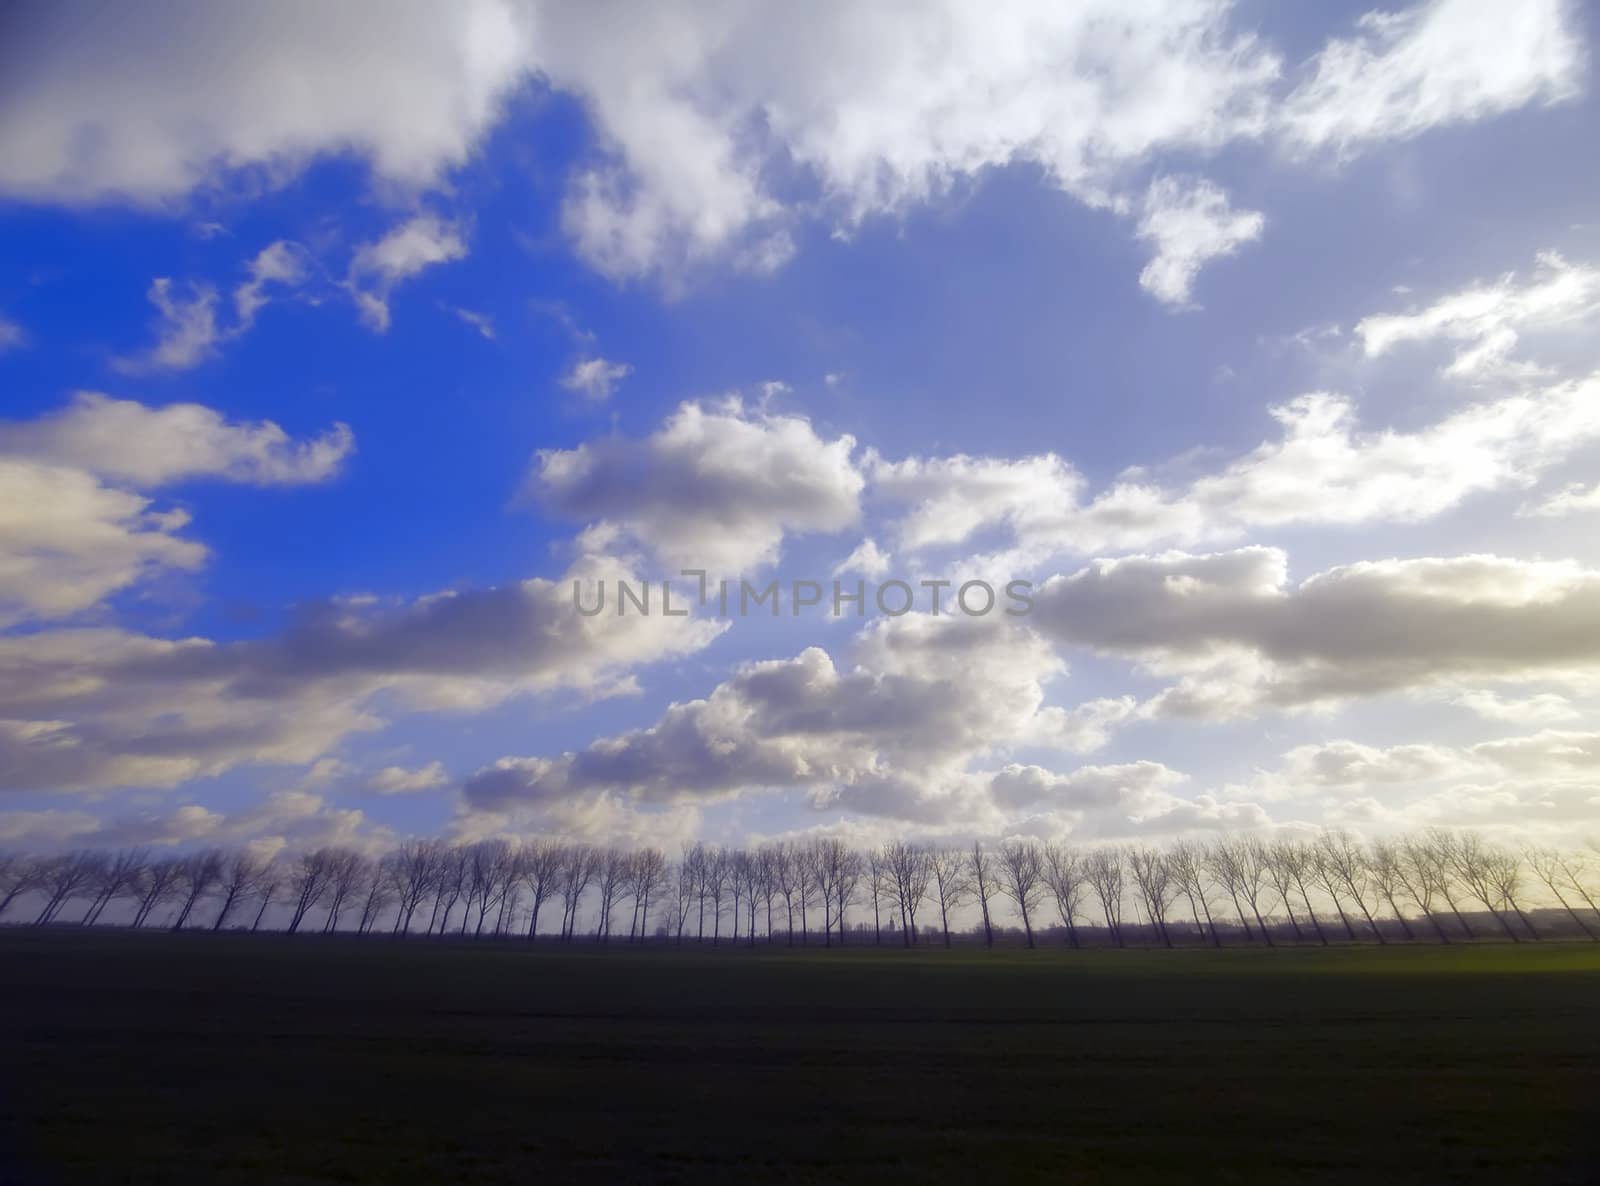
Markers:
point(232, 1059)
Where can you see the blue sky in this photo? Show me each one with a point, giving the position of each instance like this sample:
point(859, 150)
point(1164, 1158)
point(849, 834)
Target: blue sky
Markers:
point(612, 290)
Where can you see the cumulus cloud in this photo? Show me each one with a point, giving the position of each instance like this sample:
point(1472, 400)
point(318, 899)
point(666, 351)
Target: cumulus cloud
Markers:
point(146, 107)
point(72, 531)
point(1485, 320)
point(397, 780)
point(868, 111)
point(292, 819)
point(1188, 222)
point(595, 378)
point(67, 541)
point(412, 247)
point(1323, 469)
point(1240, 636)
point(1543, 708)
point(1344, 763)
point(717, 487)
point(866, 558)
point(1539, 783)
point(126, 441)
point(84, 709)
point(893, 733)
point(1437, 63)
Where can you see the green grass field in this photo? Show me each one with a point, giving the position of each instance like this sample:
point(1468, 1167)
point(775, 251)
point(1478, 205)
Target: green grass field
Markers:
point(155, 1058)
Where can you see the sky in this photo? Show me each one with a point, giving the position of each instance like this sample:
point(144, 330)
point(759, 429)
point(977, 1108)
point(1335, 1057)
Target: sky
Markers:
point(338, 344)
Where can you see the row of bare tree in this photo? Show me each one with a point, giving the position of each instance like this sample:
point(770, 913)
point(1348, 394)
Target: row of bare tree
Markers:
point(1440, 885)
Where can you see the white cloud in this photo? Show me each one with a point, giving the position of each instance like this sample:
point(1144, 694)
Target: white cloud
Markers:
point(86, 709)
point(1544, 708)
point(866, 559)
point(1239, 636)
point(891, 734)
point(698, 108)
point(1573, 499)
point(187, 330)
point(716, 487)
point(1322, 469)
point(1485, 319)
point(283, 264)
point(378, 267)
point(1346, 763)
point(70, 537)
point(110, 105)
point(397, 780)
point(283, 819)
point(122, 440)
point(478, 321)
point(67, 541)
point(595, 378)
point(1189, 222)
point(1438, 63)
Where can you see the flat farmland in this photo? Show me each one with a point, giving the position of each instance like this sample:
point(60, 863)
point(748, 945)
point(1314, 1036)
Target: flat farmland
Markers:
point(232, 1059)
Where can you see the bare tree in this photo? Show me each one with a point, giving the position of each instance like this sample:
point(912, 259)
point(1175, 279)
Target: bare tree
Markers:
point(1441, 845)
point(951, 884)
point(1345, 866)
point(1417, 872)
point(1187, 862)
point(688, 894)
point(1103, 867)
point(66, 877)
point(413, 870)
point(347, 873)
point(1547, 866)
point(201, 873)
point(542, 866)
point(1505, 874)
point(118, 876)
point(715, 877)
point(159, 884)
point(786, 876)
point(309, 882)
point(576, 873)
point(1476, 864)
point(1022, 880)
point(492, 869)
point(1577, 870)
point(649, 877)
point(380, 893)
point(18, 875)
point(1153, 876)
point(805, 883)
point(908, 867)
point(1296, 862)
point(880, 885)
point(452, 873)
point(271, 882)
point(823, 869)
point(611, 879)
point(1254, 860)
point(1224, 860)
point(1386, 870)
point(240, 874)
point(980, 866)
point(1281, 860)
